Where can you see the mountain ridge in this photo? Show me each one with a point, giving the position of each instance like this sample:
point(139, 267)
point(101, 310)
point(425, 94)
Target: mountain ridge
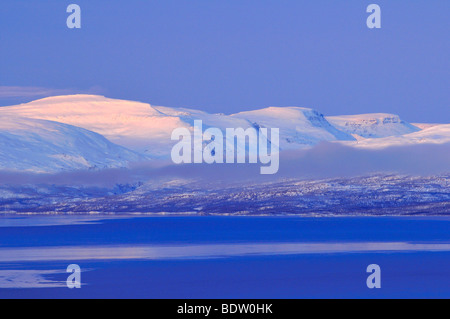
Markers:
point(140, 131)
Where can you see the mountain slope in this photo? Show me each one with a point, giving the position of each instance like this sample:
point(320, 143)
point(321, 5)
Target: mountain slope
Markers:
point(134, 125)
point(374, 125)
point(46, 146)
point(299, 127)
point(436, 134)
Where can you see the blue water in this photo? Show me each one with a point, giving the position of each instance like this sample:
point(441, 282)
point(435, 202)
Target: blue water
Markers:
point(224, 257)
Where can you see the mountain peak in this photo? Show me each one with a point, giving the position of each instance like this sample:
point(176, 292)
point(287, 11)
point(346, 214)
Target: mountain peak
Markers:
point(69, 98)
point(286, 112)
point(85, 105)
point(299, 126)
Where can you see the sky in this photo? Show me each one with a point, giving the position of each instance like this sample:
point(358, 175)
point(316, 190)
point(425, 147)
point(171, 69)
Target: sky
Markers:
point(234, 55)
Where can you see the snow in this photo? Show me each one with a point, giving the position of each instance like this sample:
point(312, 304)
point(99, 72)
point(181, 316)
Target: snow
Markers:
point(299, 127)
point(436, 134)
point(147, 129)
point(134, 125)
point(374, 125)
point(46, 146)
point(91, 131)
point(423, 126)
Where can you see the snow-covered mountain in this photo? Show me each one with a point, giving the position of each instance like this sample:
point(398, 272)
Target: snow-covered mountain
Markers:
point(436, 134)
point(137, 126)
point(299, 127)
point(374, 125)
point(85, 131)
point(147, 129)
point(47, 146)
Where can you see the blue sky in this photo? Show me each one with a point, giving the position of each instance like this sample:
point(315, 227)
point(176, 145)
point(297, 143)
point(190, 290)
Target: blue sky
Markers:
point(229, 56)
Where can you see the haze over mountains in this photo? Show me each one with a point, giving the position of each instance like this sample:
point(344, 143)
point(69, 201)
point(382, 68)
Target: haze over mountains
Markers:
point(92, 132)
